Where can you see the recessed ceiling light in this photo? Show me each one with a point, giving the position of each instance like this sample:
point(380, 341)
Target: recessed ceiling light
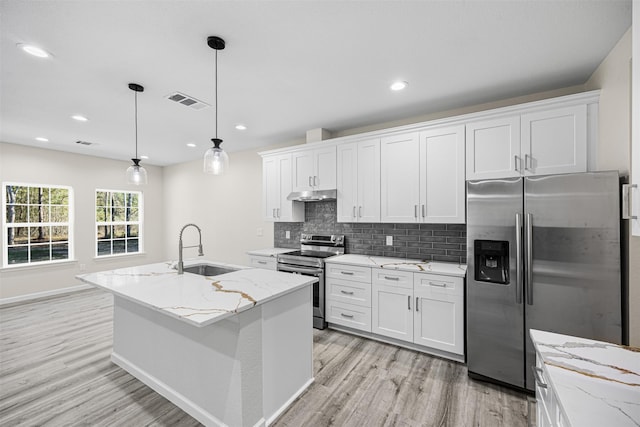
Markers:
point(79, 118)
point(241, 127)
point(191, 144)
point(399, 85)
point(34, 50)
point(144, 157)
point(42, 139)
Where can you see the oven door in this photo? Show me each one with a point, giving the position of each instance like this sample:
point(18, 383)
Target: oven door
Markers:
point(318, 290)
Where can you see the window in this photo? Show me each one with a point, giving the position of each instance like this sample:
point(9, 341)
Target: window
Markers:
point(38, 224)
point(118, 222)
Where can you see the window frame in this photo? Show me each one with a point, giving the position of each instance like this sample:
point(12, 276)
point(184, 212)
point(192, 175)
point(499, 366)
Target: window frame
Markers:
point(69, 224)
point(139, 223)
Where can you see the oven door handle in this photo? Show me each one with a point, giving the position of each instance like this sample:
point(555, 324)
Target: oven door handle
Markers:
point(301, 270)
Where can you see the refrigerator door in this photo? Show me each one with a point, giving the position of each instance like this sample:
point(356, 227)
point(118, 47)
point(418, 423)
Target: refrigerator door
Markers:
point(495, 316)
point(575, 283)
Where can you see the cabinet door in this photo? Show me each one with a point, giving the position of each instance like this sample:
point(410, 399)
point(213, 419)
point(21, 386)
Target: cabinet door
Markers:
point(493, 148)
point(555, 141)
point(369, 181)
point(400, 178)
point(347, 182)
point(442, 191)
point(391, 312)
point(439, 312)
point(270, 187)
point(288, 211)
point(302, 170)
point(324, 176)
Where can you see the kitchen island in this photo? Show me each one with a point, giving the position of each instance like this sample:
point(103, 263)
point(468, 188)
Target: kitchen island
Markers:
point(233, 349)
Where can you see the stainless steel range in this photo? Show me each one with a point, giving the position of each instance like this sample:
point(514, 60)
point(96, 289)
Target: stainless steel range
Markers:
point(309, 261)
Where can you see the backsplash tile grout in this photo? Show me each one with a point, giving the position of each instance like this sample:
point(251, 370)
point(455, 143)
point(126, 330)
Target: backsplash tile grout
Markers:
point(429, 242)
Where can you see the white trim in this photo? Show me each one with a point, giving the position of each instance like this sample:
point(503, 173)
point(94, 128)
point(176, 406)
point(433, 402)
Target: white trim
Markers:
point(44, 294)
point(288, 403)
point(139, 223)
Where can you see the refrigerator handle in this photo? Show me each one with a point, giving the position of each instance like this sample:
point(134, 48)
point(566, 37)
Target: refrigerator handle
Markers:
point(519, 259)
point(528, 238)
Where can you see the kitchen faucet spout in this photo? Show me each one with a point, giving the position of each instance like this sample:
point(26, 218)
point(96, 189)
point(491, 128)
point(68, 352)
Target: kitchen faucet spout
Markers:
point(181, 247)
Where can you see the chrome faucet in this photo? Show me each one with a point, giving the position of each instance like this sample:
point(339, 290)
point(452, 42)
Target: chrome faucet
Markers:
point(180, 247)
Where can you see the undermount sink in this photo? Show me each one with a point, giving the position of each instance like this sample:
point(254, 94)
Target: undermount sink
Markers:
point(208, 269)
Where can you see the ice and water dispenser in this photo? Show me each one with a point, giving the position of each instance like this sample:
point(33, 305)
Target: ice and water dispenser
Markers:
point(491, 261)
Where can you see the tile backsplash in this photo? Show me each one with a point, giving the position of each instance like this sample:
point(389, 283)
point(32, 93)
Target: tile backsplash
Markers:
point(429, 242)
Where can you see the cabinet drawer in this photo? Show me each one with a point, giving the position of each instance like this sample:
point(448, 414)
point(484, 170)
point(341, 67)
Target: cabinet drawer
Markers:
point(348, 272)
point(347, 291)
point(402, 279)
point(263, 262)
point(434, 284)
point(350, 315)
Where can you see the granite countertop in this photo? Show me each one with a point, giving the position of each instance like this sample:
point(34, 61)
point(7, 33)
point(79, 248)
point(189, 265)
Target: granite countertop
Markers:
point(414, 265)
point(596, 383)
point(198, 300)
point(270, 252)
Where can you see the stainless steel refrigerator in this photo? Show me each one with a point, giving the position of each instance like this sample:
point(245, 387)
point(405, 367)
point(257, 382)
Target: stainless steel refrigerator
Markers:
point(543, 253)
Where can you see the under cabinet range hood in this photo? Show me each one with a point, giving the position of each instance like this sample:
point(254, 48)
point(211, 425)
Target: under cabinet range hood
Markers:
point(312, 195)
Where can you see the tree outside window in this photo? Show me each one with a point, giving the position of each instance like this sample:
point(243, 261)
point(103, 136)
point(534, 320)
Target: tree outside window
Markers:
point(118, 222)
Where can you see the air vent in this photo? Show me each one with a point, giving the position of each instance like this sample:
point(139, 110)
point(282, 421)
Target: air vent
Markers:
point(187, 100)
point(85, 143)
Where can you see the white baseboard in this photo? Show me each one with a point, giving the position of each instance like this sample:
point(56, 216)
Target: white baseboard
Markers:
point(272, 418)
point(44, 294)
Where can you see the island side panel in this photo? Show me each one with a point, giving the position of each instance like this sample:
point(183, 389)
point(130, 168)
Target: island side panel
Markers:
point(287, 350)
point(214, 373)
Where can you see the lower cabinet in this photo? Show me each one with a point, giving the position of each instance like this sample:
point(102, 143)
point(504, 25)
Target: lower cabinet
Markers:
point(548, 411)
point(417, 308)
point(266, 262)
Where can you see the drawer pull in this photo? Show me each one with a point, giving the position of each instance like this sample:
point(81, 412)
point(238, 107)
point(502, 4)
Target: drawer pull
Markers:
point(537, 374)
point(348, 316)
point(262, 262)
point(391, 278)
point(417, 299)
point(346, 292)
point(347, 273)
point(439, 285)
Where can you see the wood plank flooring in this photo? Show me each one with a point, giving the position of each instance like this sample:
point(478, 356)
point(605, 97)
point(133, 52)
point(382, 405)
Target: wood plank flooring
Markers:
point(55, 371)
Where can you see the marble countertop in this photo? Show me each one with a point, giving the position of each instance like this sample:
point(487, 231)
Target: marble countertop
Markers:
point(198, 300)
point(596, 383)
point(414, 265)
point(270, 252)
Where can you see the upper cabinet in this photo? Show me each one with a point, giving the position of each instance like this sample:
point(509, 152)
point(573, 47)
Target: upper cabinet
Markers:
point(542, 142)
point(358, 181)
point(314, 169)
point(400, 177)
point(276, 186)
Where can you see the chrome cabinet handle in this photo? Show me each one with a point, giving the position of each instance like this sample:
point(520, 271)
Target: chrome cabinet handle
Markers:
point(278, 212)
point(529, 257)
point(348, 316)
point(439, 285)
point(262, 262)
point(515, 163)
point(273, 214)
point(519, 259)
point(627, 207)
point(415, 211)
point(315, 181)
point(528, 163)
point(360, 211)
point(409, 302)
point(417, 303)
point(424, 211)
point(354, 211)
point(310, 182)
point(347, 273)
point(537, 374)
point(346, 292)
point(392, 278)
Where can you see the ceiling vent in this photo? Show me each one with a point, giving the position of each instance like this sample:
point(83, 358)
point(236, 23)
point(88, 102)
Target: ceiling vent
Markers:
point(85, 143)
point(187, 100)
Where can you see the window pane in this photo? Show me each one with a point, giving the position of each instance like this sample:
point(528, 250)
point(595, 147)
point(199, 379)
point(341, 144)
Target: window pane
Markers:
point(40, 253)
point(59, 214)
point(132, 245)
point(59, 196)
point(39, 213)
point(16, 194)
point(132, 214)
point(60, 251)
point(118, 199)
point(59, 234)
point(105, 213)
point(133, 200)
point(104, 248)
point(18, 254)
point(16, 213)
point(104, 232)
point(118, 247)
point(118, 214)
point(37, 195)
point(119, 231)
point(132, 231)
point(102, 198)
point(17, 235)
point(39, 234)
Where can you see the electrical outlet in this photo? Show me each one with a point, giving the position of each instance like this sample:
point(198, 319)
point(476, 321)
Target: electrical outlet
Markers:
point(389, 240)
point(287, 234)
point(259, 232)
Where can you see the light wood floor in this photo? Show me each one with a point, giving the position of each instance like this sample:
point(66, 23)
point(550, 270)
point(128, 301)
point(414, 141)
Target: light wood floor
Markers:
point(55, 371)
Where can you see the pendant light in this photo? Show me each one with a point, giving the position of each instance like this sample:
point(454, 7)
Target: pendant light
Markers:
point(136, 174)
point(216, 161)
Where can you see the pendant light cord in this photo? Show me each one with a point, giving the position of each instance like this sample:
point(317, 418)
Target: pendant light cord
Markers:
point(216, 91)
point(136, 125)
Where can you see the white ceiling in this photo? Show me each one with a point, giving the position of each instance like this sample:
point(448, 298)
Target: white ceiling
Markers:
point(289, 66)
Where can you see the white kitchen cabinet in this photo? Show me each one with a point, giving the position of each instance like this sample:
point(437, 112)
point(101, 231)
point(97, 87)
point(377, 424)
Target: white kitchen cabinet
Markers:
point(400, 178)
point(276, 186)
point(392, 303)
point(358, 181)
point(263, 261)
point(548, 410)
point(348, 296)
point(439, 312)
point(633, 192)
point(542, 142)
point(314, 169)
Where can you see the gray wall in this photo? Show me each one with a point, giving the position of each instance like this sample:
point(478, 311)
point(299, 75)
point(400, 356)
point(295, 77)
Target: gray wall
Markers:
point(429, 242)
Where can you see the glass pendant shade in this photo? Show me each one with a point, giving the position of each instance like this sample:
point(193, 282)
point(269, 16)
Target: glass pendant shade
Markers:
point(136, 174)
point(216, 160)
